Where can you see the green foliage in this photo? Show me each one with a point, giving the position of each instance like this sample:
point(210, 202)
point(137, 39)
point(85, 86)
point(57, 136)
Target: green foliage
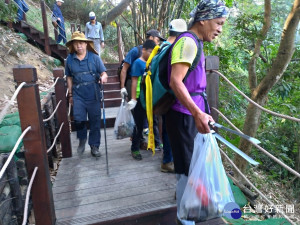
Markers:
point(235, 48)
point(8, 12)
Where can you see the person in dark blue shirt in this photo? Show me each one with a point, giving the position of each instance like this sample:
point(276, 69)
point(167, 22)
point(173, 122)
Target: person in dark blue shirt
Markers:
point(85, 71)
point(22, 9)
point(139, 113)
point(131, 56)
point(59, 19)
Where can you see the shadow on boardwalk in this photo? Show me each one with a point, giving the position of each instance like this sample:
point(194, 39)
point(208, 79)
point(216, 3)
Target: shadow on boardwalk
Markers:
point(84, 194)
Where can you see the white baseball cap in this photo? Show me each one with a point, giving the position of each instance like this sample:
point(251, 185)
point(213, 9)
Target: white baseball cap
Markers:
point(178, 25)
point(60, 1)
point(92, 14)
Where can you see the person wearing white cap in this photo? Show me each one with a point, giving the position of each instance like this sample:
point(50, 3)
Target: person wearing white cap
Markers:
point(58, 18)
point(176, 27)
point(94, 32)
point(190, 114)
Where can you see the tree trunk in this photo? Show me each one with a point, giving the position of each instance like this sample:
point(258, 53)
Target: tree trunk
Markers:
point(162, 14)
point(260, 93)
point(179, 9)
point(174, 9)
point(135, 21)
point(262, 36)
point(114, 13)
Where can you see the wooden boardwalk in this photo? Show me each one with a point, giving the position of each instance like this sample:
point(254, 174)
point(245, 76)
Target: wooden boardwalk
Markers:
point(84, 194)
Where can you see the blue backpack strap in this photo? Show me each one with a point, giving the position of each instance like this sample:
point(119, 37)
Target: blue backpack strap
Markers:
point(91, 61)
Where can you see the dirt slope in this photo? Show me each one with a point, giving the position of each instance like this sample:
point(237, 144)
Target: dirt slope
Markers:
point(13, 51)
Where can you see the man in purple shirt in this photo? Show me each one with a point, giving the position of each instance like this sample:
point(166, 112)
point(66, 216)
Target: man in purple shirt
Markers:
point(188, 115)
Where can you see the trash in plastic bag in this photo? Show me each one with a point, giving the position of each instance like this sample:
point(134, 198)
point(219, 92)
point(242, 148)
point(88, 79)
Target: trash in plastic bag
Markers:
point(124, 123)
point(207, 190)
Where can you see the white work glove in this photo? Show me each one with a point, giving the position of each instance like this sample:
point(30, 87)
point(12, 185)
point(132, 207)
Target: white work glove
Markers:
point(131, 104)
point(123, 92)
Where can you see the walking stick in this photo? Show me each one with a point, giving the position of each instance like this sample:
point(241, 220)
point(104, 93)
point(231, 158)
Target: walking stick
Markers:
point(104, 123)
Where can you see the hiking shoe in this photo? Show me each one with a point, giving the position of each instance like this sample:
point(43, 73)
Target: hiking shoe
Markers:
point(159, 147)
point(167, 167)
point(143, 145)
point(136, 155)
point(81, 146)
point(146, 131)
point(95, 151)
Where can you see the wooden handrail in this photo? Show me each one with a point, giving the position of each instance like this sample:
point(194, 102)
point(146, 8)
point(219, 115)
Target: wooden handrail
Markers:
point(46, 31)
point(62, 113)
point(35, 144)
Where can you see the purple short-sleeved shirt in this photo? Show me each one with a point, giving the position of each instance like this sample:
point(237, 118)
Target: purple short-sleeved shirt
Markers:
point(195, 83)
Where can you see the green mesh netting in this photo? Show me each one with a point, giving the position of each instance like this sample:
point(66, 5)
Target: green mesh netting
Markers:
point(57, 62)
point(239, 196)
point(23, 36)
point(275, 221)
point(12, 115)
point(8, 138)
point(11, 119)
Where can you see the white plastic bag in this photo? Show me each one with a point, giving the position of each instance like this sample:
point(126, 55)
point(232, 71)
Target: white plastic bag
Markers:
point(124, 122)
point(207, 190)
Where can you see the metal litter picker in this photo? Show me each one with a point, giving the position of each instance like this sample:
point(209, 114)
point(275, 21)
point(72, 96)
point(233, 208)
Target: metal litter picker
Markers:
point(104, 124)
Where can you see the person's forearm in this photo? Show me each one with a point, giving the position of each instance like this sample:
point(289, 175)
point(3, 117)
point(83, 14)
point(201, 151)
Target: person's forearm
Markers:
point(133, 87)
point(70, 84)
point(123, 74)
point(101, 35)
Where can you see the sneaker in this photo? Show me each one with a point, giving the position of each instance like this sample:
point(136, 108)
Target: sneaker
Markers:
point(167, 167)
point(81, 146)
point(159, 147)
point(95, 151)
point(136, 155)
point(146, 131)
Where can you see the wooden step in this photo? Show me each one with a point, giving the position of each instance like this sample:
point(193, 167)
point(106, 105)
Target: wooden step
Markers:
point(111, 86)
point(112, 65)
point(112, 94)
point(42, 36)
point(113, 78)
point(112, 72)
point(112, 102)
point(24, 24)
point(61, 47)
point(110, 116)
point(33, 30)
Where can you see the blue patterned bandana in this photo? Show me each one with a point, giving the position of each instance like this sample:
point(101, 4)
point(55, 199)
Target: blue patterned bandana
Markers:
point(209, 9)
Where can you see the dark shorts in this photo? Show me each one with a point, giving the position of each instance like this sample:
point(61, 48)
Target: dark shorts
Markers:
point(181, 129)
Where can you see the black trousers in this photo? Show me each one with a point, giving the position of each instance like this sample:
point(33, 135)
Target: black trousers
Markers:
point(182, 130)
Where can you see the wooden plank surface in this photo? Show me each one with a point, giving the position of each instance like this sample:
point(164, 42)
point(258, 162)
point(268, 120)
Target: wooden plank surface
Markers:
point(85, 194)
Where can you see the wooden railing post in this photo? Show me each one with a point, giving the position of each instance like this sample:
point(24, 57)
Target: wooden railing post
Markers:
point(212, 89)
point(73, 29)
point(46, 31)
point(78, 26)
point(35, 144)
point(55, 33)
point(62, 113)
point(120, 43)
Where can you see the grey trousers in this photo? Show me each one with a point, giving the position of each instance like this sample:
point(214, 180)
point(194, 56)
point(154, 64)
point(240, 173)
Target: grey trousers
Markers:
point(97, 45)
